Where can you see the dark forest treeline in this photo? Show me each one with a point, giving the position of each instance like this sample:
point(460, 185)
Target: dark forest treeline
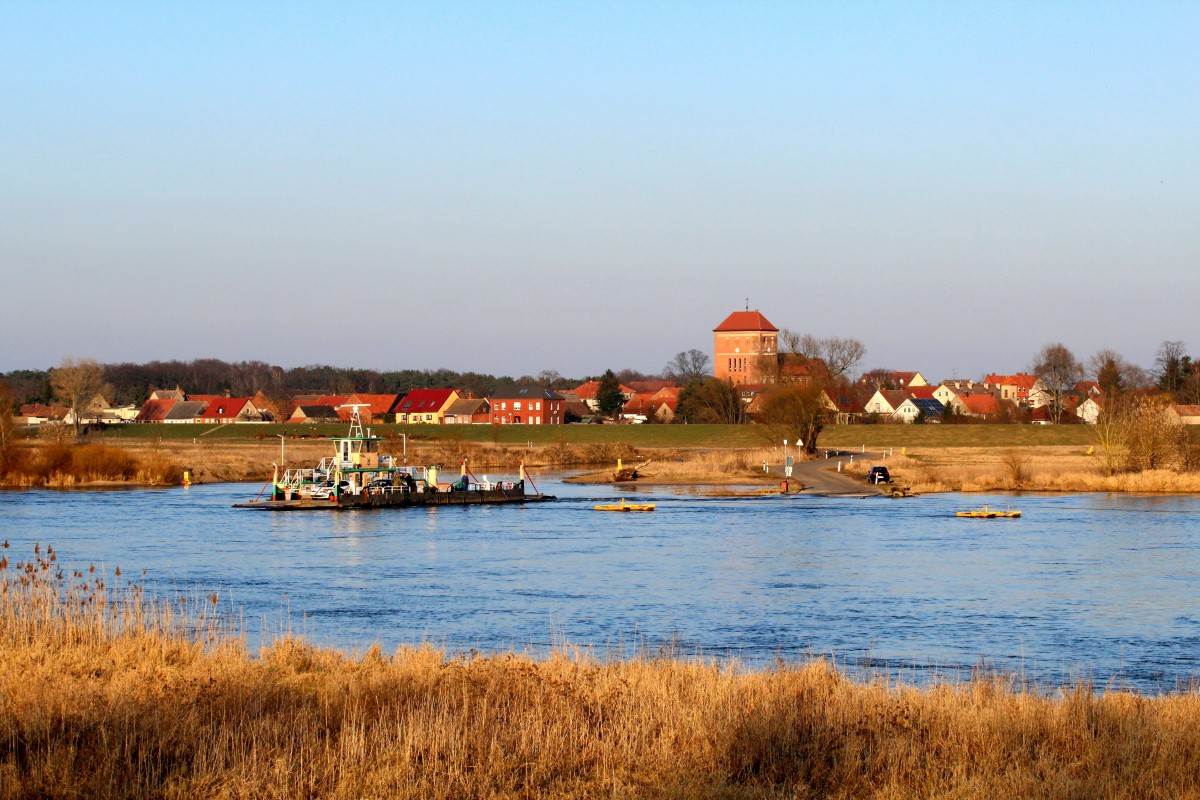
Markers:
point(132, 383)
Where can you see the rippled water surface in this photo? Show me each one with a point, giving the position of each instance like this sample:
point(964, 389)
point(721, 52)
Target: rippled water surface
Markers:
point(1084, 585)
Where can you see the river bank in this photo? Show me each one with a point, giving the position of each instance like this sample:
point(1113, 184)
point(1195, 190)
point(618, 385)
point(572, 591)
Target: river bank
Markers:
point(924, 469)
point(108, 692)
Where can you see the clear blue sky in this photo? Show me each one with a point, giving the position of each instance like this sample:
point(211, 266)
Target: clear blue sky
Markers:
point(511, 187)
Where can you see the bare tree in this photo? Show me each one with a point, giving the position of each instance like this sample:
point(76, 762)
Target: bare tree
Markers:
point(7, 426)
point(711, 400)
point(1059, 372)
point(1171, 366)
point(797, 413)
point(1111, 432)
point(76, 384)
point(550, 378)
point(839, 354)
point(687, 366)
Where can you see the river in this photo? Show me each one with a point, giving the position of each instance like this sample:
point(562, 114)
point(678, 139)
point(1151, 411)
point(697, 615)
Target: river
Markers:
point(1102, 587)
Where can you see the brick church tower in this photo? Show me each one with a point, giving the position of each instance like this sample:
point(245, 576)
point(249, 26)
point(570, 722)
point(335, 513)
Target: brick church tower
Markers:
point(738, 344)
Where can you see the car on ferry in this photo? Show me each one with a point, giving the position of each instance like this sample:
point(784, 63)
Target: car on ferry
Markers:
point(323, 491)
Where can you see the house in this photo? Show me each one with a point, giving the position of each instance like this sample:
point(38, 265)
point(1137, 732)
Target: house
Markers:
point(948, 396)
point(372, 407)
point(886, 401)
point(650, 387)
point(313, 414)
point(914, 407)
point(527, 404)
point(659, 406)
point(468, 411)
point(167, 394)
point(908, 380)
point(425, 406)
point(843, 405)
point(1187, 414)
point(185, 411)
point(1022, 389)
point(978, 404)
point(1090, 409)
point(739, 343)
point(155, 409)
point(39, 414)
point(1088, 389)
point(589, 392)
point(225, 410)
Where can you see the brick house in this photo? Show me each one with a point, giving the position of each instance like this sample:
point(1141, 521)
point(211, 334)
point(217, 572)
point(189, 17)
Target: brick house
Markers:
point(527, 404)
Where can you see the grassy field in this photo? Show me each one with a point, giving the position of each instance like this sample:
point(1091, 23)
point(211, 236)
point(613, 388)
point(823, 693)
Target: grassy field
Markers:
point(717, 436)
point(105, 693)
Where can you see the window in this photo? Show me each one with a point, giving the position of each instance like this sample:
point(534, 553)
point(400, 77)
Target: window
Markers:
point(517, 406)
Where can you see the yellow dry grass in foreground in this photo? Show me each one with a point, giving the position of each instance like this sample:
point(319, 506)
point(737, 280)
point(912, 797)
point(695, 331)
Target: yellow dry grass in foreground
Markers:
point(104, 694)
point(1047, 469)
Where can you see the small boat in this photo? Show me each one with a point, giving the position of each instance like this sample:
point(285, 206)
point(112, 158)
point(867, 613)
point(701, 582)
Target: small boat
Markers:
point(623, 506)
point(988, 513)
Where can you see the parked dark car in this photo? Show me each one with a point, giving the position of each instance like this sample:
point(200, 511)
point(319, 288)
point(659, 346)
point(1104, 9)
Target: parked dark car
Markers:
point(879, 475)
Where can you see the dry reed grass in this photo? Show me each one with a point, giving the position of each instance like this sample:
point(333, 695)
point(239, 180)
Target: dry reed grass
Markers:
point(1043, 469)
point(105, 693)
point(63, 464)
point(674, 467)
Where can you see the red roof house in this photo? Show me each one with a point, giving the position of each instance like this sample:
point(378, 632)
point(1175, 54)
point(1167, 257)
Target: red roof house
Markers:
point(155, 410)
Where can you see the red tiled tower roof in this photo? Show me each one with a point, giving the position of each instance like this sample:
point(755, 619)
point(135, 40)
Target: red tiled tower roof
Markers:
point(745, 321)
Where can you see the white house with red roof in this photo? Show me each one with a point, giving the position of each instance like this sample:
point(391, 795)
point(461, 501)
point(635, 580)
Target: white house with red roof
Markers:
point(1021, 388)
point(224, 410)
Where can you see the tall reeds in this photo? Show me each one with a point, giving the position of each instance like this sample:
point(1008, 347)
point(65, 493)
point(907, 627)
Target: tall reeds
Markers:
point(106, 692)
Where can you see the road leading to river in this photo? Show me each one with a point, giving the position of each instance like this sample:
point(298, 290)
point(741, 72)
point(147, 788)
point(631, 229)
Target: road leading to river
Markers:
point(821, 477)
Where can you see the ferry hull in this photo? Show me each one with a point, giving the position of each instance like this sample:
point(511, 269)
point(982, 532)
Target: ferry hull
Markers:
point(398, 500)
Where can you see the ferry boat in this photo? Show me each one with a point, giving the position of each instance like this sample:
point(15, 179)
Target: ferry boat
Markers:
point(357, 475)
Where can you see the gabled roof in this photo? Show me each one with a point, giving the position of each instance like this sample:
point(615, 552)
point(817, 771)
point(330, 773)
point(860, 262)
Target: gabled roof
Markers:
point(331, 400)
point(186, 409)
point(745, 321)
point(529, 391)
point(980, 403)
point(313, 412)
point(844, 401)
point(424, 401)
point(42, 411)
point(468, 406)
point(1020, 379)
point(650, 387)
point(922, 392)
point(155, 410)
point(224, 407)
point(591, 390)
point(895, 397)
point(905, 378)
point(588, 391)
point(376, 404)
point(931, 407)
point(1186, 410)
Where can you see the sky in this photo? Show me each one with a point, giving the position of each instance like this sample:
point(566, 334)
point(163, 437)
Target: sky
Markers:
point(511, 187)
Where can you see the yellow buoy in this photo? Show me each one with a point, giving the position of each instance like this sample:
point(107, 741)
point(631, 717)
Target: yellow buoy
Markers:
point(187, 478)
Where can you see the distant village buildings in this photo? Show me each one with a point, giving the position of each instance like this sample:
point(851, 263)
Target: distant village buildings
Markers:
point(745, 353)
